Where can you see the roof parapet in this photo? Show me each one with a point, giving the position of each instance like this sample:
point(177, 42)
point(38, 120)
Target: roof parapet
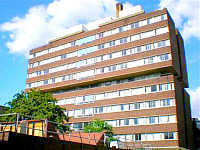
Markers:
point(71, 31)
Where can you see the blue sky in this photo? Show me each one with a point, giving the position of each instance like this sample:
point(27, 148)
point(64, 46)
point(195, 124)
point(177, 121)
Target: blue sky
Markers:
point(28, 24)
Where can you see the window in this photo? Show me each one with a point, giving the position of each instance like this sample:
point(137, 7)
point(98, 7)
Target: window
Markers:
point(126, 121)
point(164, 43)
point(138, 49)
point(124, 107)
point(152, 104)
point(112, 68)
point(123, 40)
point(45, 81)
point(100, 35)
point(112, 43)
point(151, 119)
point(137, 106)
point(77, 125)
point(29, 85)
point(110, 56)
point(82, 41)
point(101, 46)
point(164, 57)
point(70, 77)
point(63, 56)
point(81, 52)
point(153, 88)
point(163, 119)
point(87, 111)
point(96, 110)
point(137, 137)
point(135, 25)
point(162, 17)
point(166, 102)
point(63, 78)
point(169, 135)
point(73, 43)
point(100, 109)
point(46, 71)
point(90, 50)
point(148, 21)
point(150, 60)
point(90, 38)
point(34, 54)
point(160, 44)
point(124, 53)
point(39, 73)
point(123, 66)
point(102, 70)
point(121, 29)
point(79, 99)
point(148, 47)
point(88, 98)
point(30, 65)
point(81, 63)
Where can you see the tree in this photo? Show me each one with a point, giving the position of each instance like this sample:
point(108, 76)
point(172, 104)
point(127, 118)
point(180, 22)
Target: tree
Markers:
point(37, 104)
point(98, 125)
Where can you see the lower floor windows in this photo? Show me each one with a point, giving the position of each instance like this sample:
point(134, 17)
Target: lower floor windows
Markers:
point(133, 121)
point(147, 136)
point(124, 107)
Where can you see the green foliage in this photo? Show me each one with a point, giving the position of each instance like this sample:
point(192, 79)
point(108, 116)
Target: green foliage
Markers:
point(98, 125)
point(38, 105)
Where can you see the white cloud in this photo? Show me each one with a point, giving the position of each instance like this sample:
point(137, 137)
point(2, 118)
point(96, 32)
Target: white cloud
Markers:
point(186, 15)
point(195, 102)
point(41, 24)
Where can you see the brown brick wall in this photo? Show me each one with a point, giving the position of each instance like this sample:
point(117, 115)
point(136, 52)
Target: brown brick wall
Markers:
point(188, 120)
point(156, 128)
point(174, 47)
point(164, 143)
point(182, 59)
point(180, 114)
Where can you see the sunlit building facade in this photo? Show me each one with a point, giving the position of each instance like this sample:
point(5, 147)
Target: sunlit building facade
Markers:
point(129, 71)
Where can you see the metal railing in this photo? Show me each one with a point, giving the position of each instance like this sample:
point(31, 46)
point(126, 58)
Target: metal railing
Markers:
point(66, 136)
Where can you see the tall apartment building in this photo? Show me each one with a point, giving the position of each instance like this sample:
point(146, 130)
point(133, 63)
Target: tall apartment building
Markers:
point(129, 71)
